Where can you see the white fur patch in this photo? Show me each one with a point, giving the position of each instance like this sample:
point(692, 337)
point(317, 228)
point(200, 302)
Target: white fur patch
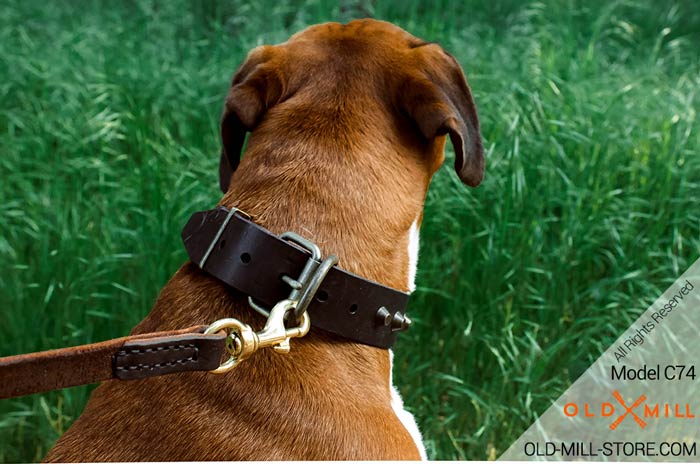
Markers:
point(406, 418)
point(413, 242)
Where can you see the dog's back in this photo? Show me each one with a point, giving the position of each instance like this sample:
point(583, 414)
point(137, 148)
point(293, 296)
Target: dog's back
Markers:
point(348, 125)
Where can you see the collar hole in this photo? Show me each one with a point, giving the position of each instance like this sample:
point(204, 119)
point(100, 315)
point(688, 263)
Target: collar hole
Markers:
point(322, 296)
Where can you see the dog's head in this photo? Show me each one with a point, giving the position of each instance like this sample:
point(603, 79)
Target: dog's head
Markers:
point(367, 79)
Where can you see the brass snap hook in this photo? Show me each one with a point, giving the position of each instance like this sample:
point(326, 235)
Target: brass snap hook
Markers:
point(242, 341)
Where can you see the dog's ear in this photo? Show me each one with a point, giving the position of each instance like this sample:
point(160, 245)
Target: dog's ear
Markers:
point(436, 96)
point(257, 85)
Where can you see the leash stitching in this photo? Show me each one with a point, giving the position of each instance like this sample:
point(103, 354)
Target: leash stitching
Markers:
point(191, 358)
point(151, 350)
point(156, 365)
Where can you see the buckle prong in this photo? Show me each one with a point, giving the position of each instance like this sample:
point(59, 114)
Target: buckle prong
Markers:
point(295, 284)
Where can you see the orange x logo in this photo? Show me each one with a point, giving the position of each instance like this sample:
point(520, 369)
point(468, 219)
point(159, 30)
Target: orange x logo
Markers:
point(628, 410)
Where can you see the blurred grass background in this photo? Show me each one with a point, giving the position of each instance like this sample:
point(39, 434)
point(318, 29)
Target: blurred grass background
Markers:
point(589, 209)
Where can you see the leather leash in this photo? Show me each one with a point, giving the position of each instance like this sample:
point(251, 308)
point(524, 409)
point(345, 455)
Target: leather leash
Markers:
point(240, 253)
point(126, 358)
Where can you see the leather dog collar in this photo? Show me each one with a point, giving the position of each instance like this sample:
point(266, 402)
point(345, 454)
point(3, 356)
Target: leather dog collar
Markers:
point(251, 259)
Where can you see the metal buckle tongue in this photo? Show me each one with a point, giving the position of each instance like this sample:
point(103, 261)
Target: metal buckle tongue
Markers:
point(305, 286)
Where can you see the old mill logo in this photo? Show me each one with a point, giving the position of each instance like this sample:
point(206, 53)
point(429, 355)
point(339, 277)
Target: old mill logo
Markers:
point(640, 411)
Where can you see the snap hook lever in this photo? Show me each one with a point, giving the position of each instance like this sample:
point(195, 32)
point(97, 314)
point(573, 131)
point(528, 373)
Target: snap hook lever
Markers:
point(243, 341)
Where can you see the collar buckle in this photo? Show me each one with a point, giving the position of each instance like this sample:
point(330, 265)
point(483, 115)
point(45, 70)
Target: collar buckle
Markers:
point(305, 286)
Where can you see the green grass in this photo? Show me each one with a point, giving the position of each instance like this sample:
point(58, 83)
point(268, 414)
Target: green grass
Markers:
point(108, 140)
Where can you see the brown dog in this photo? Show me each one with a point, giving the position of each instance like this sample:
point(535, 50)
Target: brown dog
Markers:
point(348, 126)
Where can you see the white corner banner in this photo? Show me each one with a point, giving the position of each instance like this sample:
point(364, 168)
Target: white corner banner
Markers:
point(640, 401)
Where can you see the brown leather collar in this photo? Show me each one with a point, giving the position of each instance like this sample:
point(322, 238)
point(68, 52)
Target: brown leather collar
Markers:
point(251, 259)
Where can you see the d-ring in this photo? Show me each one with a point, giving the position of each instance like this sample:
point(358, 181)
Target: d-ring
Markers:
point(314, 283)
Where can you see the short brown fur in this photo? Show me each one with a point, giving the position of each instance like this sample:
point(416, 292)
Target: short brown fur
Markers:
point(348, 125)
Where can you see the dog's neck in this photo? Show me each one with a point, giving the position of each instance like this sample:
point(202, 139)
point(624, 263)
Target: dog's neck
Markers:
point(361, 201)
point(352, 211)
point(365, 244)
